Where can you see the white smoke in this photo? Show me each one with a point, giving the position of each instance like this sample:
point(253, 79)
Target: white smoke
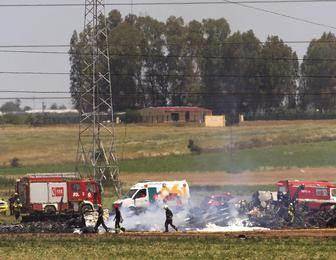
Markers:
point(232, 228)
point(151, 220)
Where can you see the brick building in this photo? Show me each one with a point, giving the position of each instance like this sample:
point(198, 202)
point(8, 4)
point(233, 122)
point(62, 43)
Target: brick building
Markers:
point(174, 114)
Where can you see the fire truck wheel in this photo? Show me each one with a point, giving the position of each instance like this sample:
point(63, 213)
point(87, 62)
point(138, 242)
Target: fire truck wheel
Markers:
point(50, 210)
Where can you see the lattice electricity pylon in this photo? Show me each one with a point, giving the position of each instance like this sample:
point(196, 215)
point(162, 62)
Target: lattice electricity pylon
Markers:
point(96, 154)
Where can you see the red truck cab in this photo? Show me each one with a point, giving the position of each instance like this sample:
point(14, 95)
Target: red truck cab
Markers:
point(314, 194)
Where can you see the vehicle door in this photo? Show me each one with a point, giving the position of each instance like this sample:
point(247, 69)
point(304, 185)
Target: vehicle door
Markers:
point(152, 195)
point(141, 199)
point(91, 192)
point(23, 191)
point(76, 191)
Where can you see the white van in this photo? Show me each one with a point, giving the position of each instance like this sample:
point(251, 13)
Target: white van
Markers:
point(147, 193)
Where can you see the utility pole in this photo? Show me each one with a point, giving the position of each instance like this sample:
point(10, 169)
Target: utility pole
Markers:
point(96, 141)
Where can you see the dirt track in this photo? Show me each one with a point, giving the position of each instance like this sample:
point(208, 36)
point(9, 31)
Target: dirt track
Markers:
point(245, 178)
point(320, 233)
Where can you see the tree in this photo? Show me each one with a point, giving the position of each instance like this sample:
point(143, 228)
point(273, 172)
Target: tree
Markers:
point(113, 20)
point(126, 63)
point(175, 37)
point(192, 52)
point(215, 33)
point(54, 106)
point(75, 71)
point(153, 88)
point(316, 83)
point(27, 108)
point(279, 74)
point(157, 63)
point(11, 106)
point(240, 68)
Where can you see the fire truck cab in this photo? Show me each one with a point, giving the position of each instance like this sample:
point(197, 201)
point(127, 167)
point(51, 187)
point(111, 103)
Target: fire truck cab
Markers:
point(315, 194)
point(45, 193)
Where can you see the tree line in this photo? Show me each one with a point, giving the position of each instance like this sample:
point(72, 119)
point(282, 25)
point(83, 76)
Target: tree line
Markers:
point(15, 107)
point(174, 63)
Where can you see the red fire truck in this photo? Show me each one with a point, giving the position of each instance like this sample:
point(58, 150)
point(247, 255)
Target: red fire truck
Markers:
point(315, 194)
point(57, 193)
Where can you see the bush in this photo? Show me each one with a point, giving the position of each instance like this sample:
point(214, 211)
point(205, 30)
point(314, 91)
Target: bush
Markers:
point(290, 114)
point(39, 119)
point(131, 116)
point(15, 162)
point(15, 119)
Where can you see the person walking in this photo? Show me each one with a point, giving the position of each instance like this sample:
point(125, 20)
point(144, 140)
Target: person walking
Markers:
point(118, 218)
point(169, 219)
point(100, 220)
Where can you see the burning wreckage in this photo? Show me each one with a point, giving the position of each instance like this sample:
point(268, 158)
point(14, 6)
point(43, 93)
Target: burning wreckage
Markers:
point(295, 204)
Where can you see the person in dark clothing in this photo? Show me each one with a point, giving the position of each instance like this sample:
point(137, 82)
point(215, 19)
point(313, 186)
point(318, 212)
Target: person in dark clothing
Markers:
point(169, 218)
point(118, 219)
point(17, 208)
point(82, 220)
point(100, 220)
point(11, 202)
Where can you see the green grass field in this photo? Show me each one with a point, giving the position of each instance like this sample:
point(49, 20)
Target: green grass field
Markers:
point(319, 154)
point(257, 146)
point(111, 247)
point(56, 145)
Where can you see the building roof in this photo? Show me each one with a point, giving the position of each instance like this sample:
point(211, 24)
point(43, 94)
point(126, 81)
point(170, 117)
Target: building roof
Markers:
point(180, 109)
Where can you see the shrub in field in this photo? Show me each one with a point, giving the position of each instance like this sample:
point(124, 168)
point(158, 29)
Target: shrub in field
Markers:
point(15, 162)
point(131, 116)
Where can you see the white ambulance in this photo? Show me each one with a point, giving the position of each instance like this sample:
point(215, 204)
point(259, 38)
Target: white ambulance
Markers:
point(147, 193)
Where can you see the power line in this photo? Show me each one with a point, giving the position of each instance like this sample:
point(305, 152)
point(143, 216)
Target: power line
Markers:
point(280, 14)
point(168, 3)
point(128, 55)
point(162, 56)
point(34, 45)
point(33, 73)
point(33, 98)
point(166, 44)
point(177, 75)
point(196, 93)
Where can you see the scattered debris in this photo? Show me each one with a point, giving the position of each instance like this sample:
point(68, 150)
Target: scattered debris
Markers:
point(294, 205)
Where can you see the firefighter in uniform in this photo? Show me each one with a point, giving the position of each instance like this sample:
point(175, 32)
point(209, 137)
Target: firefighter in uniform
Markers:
point(11, 201)
point(118, 218)
point(169, 218)
point(17, 208)
point(291, 212)
point(100, 220)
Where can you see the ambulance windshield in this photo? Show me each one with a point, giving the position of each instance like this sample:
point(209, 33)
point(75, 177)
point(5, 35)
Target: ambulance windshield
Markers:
point(131, 193)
